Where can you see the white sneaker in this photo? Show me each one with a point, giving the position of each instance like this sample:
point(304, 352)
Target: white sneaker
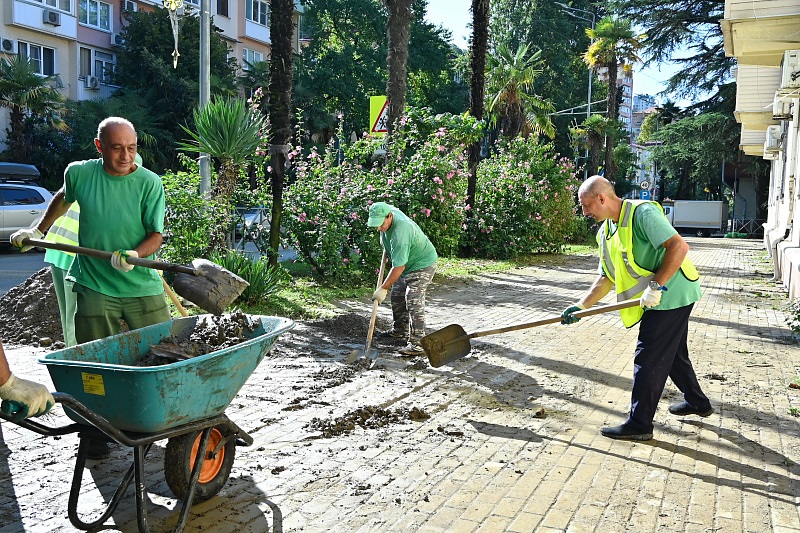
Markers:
point(412, 349)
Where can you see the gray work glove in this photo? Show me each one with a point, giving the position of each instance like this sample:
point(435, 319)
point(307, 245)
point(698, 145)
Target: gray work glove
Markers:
point(23, 398)
point(20, 235)
point(380, 295)
point(118, 259)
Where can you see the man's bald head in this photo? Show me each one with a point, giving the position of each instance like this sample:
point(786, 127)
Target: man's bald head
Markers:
point(595, 185)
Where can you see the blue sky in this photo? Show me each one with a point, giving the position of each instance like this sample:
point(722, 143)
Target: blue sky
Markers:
point(455, 16)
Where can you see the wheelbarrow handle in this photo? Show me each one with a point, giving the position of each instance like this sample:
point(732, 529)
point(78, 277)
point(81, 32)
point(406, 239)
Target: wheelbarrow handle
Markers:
point(102, 254)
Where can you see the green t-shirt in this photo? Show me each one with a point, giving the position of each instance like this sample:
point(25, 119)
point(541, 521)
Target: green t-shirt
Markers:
point(651, 230)
point(406, 245)
point(117, 212)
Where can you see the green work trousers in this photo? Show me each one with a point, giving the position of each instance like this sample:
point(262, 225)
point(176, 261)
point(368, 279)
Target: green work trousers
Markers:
point(98, 315)
point(67, 302)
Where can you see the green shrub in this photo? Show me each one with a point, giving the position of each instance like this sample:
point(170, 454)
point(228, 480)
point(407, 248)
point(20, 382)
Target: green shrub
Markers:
point(263, 279)
point(187, 225)
point(525, 201)
point(793, 315)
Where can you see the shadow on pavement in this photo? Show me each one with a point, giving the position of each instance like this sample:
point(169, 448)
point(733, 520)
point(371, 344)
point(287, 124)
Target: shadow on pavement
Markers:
point(9, 514)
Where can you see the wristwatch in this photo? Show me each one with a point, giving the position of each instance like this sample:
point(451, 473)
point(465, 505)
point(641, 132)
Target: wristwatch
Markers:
point(656, 287)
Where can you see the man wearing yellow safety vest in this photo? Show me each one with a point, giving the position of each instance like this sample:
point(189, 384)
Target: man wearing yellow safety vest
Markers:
point(641, 255)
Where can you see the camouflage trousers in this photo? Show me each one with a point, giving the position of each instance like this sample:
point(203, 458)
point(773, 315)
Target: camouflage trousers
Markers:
point(408, 302)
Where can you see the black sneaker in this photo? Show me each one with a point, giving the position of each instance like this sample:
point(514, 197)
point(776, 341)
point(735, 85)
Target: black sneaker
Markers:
point(626, 432)
point(97, 449)
point(685, 408)
point(392, 334)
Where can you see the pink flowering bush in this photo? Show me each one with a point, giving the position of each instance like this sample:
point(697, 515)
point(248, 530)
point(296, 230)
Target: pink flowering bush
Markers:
point(525, 201)
point(424, 175)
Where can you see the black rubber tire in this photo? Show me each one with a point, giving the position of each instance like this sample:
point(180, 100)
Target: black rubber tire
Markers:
point(179, 460)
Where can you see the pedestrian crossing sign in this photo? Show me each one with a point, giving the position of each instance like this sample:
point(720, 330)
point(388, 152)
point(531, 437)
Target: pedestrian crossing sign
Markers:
point(378, 115)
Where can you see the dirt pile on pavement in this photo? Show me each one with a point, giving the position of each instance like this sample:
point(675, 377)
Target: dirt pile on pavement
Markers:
point(368, 417)
point(29, 313)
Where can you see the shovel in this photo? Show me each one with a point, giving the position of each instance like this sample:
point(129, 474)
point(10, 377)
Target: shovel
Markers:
point(370, 353)
point(207, 284)
point(452, 342)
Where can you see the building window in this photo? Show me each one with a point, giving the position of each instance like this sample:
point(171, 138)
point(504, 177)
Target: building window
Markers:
point(257, 11)
point(251, 57)
point(96, 63)
point(95, 14)
point(63, 5)
point(222, 7)
point(42, 59)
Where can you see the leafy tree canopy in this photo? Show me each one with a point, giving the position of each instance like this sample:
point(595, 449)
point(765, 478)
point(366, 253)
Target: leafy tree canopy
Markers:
point(686, 32)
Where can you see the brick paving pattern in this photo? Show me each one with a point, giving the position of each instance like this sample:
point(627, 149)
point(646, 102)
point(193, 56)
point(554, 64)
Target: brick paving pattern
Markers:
point(512, 443)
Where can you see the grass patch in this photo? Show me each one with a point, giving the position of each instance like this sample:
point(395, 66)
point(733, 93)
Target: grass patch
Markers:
point(305, 298)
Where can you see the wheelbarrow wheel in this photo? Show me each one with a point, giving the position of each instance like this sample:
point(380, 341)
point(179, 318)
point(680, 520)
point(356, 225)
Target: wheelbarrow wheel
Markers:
point(180, 457)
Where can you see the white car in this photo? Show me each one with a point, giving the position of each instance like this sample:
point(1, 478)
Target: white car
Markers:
point(21, 202)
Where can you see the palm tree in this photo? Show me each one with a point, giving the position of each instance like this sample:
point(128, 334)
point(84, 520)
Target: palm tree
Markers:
point(513, 106)
point(280, 114)
point(397, 30)
point(25, 93)
point(477, 91)
point(589, 135)
point(613, 45)
point(231, 133)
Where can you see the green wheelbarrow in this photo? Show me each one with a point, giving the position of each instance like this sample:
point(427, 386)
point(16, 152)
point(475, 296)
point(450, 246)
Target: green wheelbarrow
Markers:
point(108, 397)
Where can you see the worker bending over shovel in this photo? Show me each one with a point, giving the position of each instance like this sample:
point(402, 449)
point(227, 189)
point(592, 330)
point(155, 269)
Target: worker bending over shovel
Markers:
point(642, 254)
point(413, 260)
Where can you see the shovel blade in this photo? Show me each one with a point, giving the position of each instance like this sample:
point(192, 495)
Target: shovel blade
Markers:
point(446, 345)
point(212, 288)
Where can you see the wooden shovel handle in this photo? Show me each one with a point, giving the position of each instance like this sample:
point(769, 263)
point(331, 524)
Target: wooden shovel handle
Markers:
point(579, 314)
point(102, 254)
point(375, 305)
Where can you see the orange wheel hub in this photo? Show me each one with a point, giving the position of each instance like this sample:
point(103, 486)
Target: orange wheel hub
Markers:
point(212, 464)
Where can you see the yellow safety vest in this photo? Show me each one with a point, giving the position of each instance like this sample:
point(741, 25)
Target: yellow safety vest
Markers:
point(65, 228)
point(619, 265)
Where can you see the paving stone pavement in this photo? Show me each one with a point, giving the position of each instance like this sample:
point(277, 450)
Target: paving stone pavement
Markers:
point(512, 443)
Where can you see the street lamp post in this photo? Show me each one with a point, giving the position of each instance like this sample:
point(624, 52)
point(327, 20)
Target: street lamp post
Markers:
point(574, 12)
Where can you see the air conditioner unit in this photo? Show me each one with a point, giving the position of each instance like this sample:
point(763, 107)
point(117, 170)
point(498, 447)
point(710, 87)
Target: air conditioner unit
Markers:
point(129, 5)
point(92, 83)
point(770, 156)
point(51, 17)
point(773, 142)
point(781, 108)
point(116, 38)
point(8, 46)
point(790, 70)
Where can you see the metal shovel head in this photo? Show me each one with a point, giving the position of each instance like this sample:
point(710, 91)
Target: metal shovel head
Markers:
point(372, 354)
point(212, 288)
point(446, 345)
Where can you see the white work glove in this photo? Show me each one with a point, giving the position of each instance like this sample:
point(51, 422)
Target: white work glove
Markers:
point(650, 297)
point(118, 259)
point(380, 294)
point(23, 398)
point(20, 235)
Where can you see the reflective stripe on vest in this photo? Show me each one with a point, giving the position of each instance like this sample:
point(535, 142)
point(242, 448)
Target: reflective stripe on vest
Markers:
point(65, 228)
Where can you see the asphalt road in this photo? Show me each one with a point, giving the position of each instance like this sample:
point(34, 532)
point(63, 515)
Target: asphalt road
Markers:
point(16, 267)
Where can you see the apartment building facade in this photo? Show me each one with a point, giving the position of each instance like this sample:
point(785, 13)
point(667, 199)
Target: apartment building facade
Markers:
point(73, 39)
point(763, 36)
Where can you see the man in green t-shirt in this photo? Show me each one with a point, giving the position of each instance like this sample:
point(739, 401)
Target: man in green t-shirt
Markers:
point(413, 260)
point(122, 211)
point(642, 256)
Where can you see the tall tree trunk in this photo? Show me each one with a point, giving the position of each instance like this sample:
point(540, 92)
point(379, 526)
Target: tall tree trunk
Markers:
point(397, 33)
point(610, 166)
point(280, 98)
point(477, 91)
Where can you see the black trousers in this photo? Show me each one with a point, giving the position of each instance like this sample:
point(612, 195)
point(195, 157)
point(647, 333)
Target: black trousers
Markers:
point(661, 352)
